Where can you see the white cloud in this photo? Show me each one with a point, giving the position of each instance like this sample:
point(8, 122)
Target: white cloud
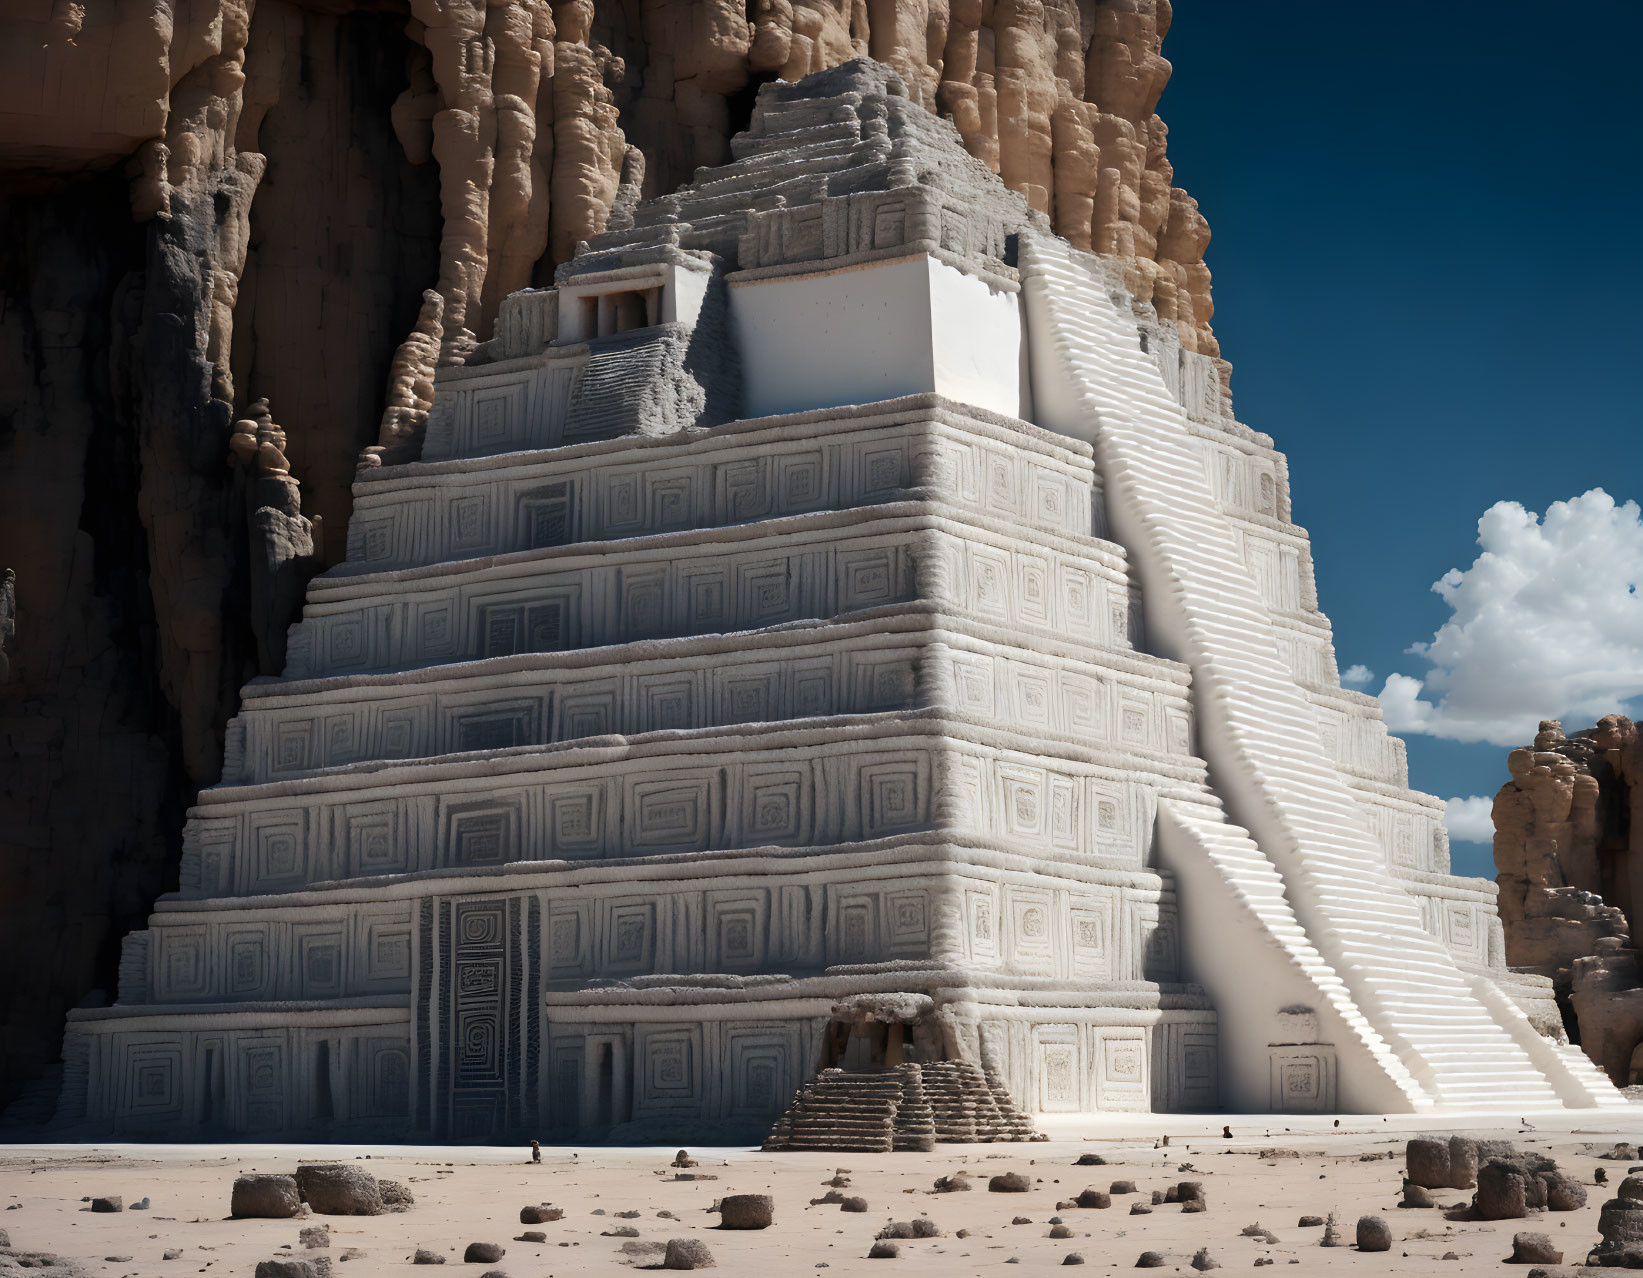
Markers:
point(1469, 820)
point(1357, 676)
point(1547, 624)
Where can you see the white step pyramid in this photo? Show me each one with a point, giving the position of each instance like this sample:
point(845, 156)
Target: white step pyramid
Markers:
point(833, 628)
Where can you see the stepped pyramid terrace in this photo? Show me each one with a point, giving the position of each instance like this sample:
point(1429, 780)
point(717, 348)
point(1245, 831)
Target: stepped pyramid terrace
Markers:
point(835, 672)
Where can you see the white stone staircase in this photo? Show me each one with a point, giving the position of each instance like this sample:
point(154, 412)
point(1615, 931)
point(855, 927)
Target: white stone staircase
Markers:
point(1259, 734)
point(1194, 837)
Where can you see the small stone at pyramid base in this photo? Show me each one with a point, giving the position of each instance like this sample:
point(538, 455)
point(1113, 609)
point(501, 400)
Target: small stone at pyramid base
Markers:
point(1534, 1249)
point(1373, 1234)
point(687, 1253)
point(265, 1196)
point(747, 1211)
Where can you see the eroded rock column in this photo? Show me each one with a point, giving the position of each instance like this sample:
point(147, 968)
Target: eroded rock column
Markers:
point(1569, 862)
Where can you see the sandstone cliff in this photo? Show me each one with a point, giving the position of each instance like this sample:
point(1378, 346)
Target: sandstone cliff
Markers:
point(1569, 856)
point(238, 236)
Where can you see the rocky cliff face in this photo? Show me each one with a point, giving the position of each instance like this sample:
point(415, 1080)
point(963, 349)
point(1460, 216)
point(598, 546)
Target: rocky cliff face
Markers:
point(1569, 856)
point(237, 237)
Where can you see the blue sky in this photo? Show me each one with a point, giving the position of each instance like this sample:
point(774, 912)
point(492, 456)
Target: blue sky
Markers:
point(1429, 278)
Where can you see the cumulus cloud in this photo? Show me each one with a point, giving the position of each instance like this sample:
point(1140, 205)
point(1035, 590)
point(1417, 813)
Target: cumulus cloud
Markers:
point(1547, 624)
point(1357, 676)
point(1468, 820)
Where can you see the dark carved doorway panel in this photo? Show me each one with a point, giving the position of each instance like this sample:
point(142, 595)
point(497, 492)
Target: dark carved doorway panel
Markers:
point(485, 1036)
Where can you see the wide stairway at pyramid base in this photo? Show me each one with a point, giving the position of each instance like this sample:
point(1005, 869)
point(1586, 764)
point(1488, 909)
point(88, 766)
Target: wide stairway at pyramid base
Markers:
point(752, 712)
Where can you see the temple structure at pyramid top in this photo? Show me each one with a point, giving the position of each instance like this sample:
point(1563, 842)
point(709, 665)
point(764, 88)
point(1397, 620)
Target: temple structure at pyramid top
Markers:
point(836, 669)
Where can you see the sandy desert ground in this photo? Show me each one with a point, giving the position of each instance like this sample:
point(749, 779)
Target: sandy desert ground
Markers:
point(1268, 1174)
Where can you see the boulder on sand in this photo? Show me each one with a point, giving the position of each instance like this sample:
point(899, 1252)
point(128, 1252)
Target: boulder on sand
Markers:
point(747, 1211)
point(1373, 1234)
point(1502, 1192)
point(265, 1197)
point(1534, 1249)
point(336, 1189)
point(687, 1253)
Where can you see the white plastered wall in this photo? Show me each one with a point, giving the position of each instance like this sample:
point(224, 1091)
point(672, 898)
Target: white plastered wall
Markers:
point(860, 334)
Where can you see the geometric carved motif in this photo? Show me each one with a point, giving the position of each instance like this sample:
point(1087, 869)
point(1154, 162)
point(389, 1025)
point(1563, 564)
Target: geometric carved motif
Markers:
point(812, 690)
point(468, 531)
point(630, 934)
point(669, 497)
point(1121, 1063)
point(506, 629)
point(778, 803)
point(153, 1079)
point(1302, 1079)
point(564, 940)
point(799, 480)
point(760, 1059)
point(1030, 915)
point(490, 422)
point(1092, 940)
point(868, 578)
point(670, 814)
point(574, 822)
point(479, 1016)
point(1033, 599)
point(668, 1070)
point(746, 491)
point(373, 843)
point(1057, 1050)
point(856, 939)
point(909, 921)
point(183, 974)
point(280, 848)
point(749, 699)
point(319, 963)
point(546, 515)
point(482, 833)
point(891, 797)
point(983, 929)
point(248, 965)
point(1024, 807)
point(387, 950)
point(736, 931)
point(262, 1067)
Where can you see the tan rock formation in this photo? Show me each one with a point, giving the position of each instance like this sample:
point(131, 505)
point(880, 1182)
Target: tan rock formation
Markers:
point(410, 388)
point(1569, 862)
point(282, 541)
point(588, 145)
